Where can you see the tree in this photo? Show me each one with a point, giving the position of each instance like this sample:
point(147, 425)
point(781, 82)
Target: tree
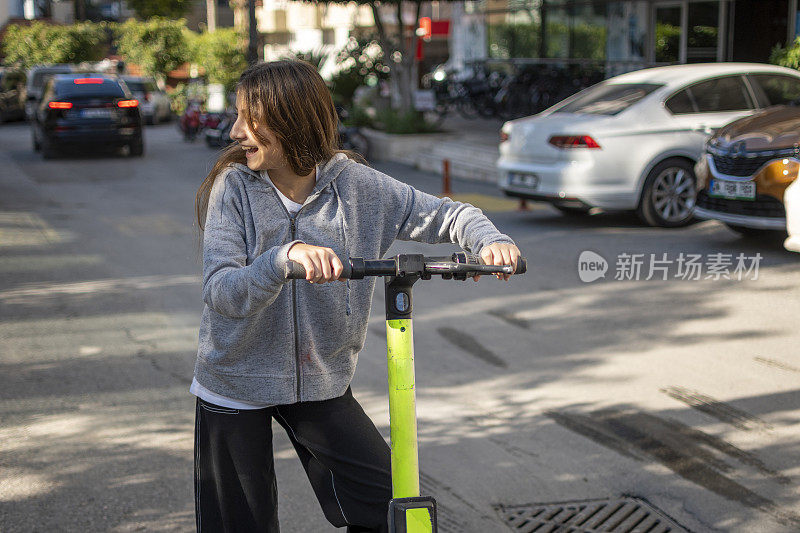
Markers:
point(361, 62)
point(171, 9)
point(42, 43)
point(398, 45)
point(221, 53)
point(157, 45)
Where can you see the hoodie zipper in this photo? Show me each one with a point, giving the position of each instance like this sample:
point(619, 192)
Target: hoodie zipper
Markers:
point(293, 227)
point(293, 230)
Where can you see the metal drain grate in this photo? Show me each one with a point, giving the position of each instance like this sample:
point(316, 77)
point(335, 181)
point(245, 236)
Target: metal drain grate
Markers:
point(625, 515)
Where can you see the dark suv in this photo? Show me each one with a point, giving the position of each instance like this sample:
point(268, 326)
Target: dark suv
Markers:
point(87, 110)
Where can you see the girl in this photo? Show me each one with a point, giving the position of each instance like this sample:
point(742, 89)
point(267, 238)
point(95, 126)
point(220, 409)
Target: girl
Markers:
point(273, 349)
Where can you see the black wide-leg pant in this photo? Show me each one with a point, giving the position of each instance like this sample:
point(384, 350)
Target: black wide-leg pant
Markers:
point(347, 462)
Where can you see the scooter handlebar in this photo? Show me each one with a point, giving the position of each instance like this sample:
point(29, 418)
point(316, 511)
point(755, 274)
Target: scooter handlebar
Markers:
point(461, 264)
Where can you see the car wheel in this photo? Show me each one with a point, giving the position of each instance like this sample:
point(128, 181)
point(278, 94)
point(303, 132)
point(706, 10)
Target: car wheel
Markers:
point(668, 196)
point(136, 148)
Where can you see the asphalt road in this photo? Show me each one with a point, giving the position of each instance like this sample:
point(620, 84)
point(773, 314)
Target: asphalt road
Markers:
point(682, 392)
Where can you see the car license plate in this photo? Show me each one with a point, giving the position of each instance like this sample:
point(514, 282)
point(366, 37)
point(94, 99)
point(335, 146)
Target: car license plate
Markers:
point(96, 113)
point(521, 179)
point(732, 190)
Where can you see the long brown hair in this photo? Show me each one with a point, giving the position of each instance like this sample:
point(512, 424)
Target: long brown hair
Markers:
point(290, 98)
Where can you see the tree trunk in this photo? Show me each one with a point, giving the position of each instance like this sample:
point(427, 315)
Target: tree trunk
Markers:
point(80, 10)
point(401, 79)
point(252, 24)
point(402, 71)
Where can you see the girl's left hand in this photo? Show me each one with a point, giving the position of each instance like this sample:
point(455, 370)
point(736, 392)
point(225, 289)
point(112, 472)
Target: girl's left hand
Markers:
point(499, 254)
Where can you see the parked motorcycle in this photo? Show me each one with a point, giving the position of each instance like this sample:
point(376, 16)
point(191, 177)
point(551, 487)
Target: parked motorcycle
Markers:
point(190, 120)
point(194, 120)
point(220, 136)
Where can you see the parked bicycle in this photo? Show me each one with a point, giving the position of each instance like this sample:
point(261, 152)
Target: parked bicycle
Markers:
point(514, 90)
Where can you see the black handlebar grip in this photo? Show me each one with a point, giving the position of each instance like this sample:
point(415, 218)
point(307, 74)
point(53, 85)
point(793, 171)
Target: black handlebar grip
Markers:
point(463, 257)
point(295, 270)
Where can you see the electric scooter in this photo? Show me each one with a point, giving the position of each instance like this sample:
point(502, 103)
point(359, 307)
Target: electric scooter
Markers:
point(408, 511)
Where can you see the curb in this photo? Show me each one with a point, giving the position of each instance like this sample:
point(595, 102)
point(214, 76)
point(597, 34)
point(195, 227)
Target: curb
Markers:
point(468, 160)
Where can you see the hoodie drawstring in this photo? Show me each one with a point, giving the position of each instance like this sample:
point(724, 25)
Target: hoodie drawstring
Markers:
point(343, 222)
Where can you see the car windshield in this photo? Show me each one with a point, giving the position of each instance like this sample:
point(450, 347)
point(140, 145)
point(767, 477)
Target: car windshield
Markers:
point(608, 98)
point(69, 89)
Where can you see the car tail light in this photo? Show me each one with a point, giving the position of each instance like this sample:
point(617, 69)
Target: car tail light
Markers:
point(573, 141)
point(504, 136)
point(84, 81)
point(128, 103)
point(60, 105)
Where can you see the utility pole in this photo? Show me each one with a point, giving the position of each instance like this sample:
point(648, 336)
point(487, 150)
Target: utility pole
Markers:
point(80, 10)
point(252, 48)
point(543, 29)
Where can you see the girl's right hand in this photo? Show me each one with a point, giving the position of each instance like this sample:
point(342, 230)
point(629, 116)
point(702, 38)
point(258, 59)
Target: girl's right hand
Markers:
point(321, 264)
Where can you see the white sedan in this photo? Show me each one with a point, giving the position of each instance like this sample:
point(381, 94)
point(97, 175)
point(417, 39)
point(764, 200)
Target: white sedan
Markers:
point(631, 142)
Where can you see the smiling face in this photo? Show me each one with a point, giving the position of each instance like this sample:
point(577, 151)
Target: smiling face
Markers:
point(261, 145)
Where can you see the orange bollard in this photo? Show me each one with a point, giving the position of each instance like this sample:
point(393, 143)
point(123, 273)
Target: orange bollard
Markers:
point(446, 177)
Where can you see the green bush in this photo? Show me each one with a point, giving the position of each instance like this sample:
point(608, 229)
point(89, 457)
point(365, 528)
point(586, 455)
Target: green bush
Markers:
point(42, 43)
point(394, 121)
point(157, 45)
point(221, 53)
point(508, 40)
point(183, 92)
point(786, 57)
point(359, 118)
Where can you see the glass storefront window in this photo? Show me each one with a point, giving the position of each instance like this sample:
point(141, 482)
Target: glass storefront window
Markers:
point(703, 32)
point(513, 34)
point(576, 31)
point(557, 27)
point(668, 34)
point(573, 30)
point(588, 32)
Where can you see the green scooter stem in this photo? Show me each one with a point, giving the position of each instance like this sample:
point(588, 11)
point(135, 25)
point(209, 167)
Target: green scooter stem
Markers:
point(420, 518)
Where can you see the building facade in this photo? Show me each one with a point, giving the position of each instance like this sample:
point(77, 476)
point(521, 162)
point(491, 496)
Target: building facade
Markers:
point(625, 35)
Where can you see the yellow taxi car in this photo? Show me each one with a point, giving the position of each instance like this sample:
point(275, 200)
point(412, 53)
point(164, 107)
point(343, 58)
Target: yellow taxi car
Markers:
point(748, 168)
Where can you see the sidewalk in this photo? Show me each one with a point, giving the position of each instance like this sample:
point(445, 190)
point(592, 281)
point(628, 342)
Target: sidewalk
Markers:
point(471, 146)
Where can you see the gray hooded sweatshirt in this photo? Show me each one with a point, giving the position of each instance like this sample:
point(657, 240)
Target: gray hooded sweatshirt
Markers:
point(264, 339)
